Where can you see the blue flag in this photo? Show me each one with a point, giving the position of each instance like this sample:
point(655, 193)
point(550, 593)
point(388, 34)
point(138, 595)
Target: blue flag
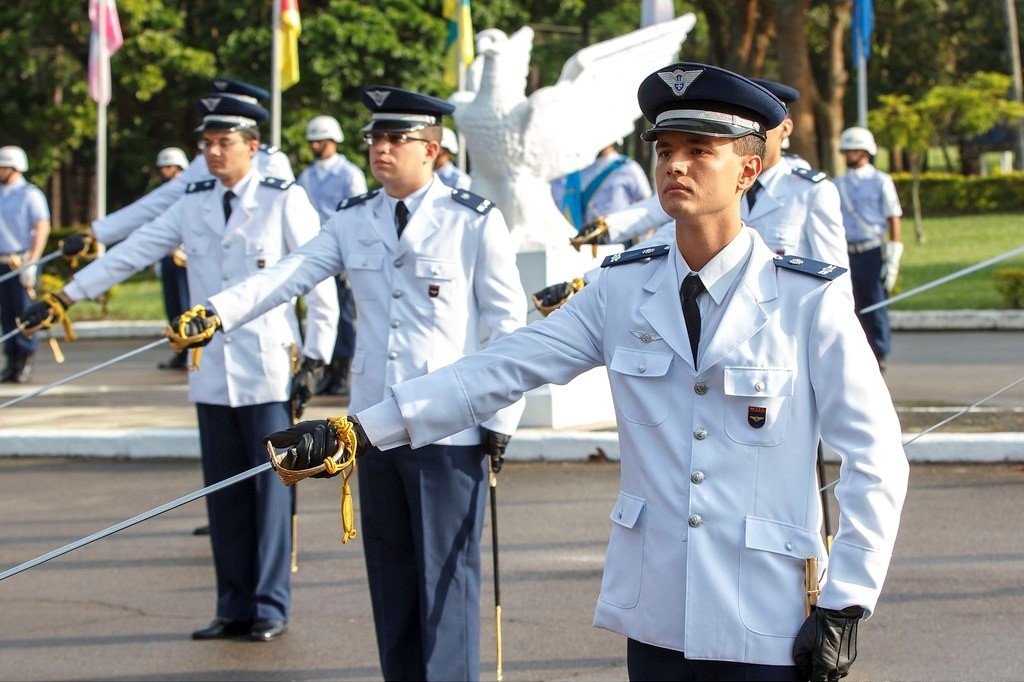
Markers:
point(862, 24)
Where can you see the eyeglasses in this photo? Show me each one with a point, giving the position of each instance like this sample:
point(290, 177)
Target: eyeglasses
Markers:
point(223, 143)
point(393, 139)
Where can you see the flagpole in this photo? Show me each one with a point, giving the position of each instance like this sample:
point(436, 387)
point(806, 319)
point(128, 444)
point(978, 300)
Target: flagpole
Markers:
point(101, 114)
point(862, 90)
point(275, 76)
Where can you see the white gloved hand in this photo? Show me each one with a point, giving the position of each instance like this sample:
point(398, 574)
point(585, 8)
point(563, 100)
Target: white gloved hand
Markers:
point(891, 256)
point(27, 276)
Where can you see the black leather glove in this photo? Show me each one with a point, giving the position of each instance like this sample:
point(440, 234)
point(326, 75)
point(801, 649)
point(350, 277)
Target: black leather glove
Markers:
point(826, 645)
point(593, 233)
point(196, 329)
point(75, 245)
point(34, 316)
point(309, 443)
point(494, 444)
point(551, 298)
point(304, 384)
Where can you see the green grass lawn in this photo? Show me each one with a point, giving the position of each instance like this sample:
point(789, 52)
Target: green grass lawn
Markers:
point(952, 243)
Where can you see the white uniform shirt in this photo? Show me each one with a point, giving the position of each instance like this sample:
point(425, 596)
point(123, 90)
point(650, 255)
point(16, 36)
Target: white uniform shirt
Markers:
point(719, 503)
point(251, 364)
point(869, 199)
point(453, 176)
point(624, 186)
point(798, 213)
point(22, 205)
point(419, 299)
point(271, 162)
point(330, 181)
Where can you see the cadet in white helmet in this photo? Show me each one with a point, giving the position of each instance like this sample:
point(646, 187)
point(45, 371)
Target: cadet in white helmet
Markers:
point(170, 163)
point(871, 215)
point(329, 180)
point(450, 174)
point(24, 228)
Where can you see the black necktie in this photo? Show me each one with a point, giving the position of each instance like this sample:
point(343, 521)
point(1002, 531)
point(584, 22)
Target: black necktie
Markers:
point(691, 289)
point(228, 196)
point(752, 194)
point(401, 217)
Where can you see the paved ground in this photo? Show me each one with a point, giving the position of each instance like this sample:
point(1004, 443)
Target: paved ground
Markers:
point(930, 374)
point(121, 609)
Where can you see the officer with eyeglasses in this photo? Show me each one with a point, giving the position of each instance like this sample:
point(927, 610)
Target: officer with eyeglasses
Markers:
point(427, 264)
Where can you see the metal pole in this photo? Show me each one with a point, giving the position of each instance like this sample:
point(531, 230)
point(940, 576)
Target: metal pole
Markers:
point(1013, 43)
point(101, 115)
point(145, 516)
point(862, 91)
point(275, 75)
point(826, 515)
point(941, 280)
point(493, 485)
point(45, 259)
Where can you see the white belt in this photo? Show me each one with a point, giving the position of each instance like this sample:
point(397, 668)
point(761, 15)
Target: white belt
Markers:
point(861, 247)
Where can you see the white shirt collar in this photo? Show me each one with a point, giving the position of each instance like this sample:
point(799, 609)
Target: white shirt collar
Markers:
point(239, 187)
point(770, 176)
point(722, 271)
point(412, 202)
point(864, 172)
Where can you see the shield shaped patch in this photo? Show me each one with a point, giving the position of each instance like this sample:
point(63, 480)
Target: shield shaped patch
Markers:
point(756, 416)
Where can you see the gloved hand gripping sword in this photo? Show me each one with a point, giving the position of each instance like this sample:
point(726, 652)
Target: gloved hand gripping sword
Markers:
point(593, 233)
point(551, 298)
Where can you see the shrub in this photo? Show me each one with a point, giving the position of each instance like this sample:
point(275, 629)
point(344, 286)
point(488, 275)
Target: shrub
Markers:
point(1009, 282)
point(945, 193)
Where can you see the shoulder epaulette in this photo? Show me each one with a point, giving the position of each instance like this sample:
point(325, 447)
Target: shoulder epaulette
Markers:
point(810, 174)
point(201, 186)
point(269, 148)
point(277, 183)
point(809, 266)
point(473, 201)
point(636, 254)
point(358, 199)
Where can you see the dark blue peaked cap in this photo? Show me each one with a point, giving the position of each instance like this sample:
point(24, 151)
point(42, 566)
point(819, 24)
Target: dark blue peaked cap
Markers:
point(394, 109)
point(786, 94)
point(236, 87)
point(224, 111)
point(706, 100)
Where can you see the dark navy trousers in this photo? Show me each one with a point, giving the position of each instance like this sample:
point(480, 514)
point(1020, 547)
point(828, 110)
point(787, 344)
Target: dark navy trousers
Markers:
point(422, 516)
point(649, 662)
point(868, 288)
point(175, 287)
point(345, 343)
point(13, 301)
point(250, 522)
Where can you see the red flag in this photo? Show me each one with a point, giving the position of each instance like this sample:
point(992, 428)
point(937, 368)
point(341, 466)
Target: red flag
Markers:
point(103, 15)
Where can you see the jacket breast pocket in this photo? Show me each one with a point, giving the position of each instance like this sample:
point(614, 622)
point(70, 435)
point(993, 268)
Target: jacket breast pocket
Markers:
point(434, 268)
point(772, 577)
point(197, 245)
point(757, 404)
point(643, 392)
point(365, 275)
point(260, 253)
point(624, 563)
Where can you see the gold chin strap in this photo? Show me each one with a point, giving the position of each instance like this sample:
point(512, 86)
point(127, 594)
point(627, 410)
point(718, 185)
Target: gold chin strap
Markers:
point(180, 341)
point(344, 458)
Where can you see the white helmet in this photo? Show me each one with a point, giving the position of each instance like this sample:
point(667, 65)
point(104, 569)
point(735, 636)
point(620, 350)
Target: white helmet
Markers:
point(324, 128)
point(854, 139)
point(449, 140)
point(13, 157)
point(172, 156)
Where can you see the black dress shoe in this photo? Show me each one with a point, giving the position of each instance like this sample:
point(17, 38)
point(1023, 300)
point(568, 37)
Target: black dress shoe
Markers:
point(177, 361)
point(267, 629)
point(202, 530)
point(222, 628)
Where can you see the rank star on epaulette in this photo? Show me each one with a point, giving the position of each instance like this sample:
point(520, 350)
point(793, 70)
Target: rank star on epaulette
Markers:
point(356, 200)
point(277, 183)
point(635, 255)
point(201, 186)
point(809, 266)
point(808, 174)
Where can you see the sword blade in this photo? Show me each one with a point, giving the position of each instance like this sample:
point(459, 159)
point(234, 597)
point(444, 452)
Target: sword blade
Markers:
point(85, 372)
point(941, 280)
point(9, 335)
point(145, 516)
point(45, 259)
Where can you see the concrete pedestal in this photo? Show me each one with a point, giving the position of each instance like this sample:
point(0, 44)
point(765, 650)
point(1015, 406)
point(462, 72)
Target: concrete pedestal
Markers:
point(586, 400)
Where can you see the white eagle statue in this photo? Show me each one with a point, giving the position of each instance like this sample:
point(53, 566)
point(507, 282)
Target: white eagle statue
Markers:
point(519, 144)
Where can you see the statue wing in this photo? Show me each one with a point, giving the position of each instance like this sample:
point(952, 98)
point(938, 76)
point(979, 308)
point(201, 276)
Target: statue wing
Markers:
point(594, 101)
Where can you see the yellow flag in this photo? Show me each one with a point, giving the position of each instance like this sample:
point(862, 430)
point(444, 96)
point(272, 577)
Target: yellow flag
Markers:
point(288, 58)
point(459, 46)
